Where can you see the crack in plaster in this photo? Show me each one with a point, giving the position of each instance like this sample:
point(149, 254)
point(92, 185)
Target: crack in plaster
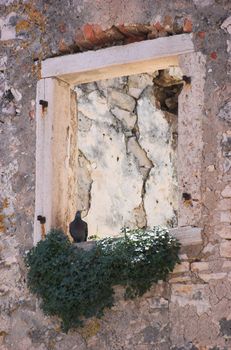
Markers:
point(145, 170)
point(145, 179)
point(86, 165)
point(122, 158)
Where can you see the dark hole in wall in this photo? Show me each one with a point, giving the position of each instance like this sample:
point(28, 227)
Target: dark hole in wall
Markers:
point(225, 326)
point(167, 90)
point(8, 96)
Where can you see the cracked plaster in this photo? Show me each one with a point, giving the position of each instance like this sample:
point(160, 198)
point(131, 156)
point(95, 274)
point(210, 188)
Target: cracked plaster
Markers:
point(128, 175)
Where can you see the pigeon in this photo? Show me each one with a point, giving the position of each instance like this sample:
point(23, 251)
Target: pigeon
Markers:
point(78, 229)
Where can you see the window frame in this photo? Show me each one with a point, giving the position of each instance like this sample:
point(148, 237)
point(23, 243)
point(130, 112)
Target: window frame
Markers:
point(56, 125)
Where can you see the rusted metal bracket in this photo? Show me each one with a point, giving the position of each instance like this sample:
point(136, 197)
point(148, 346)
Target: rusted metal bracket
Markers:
point(44, 105)
point(42, 220)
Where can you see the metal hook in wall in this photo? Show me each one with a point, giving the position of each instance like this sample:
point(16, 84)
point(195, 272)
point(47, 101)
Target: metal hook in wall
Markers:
point(44, 102)
point(42, 220)
point(44, 105)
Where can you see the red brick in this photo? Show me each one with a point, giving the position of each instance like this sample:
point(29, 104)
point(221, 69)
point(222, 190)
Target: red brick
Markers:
point(134, 29)
point(158, 26)
point(63, 47)
point(97, 29)
point(187, 25)
point(168, 23)
point(134, 38)
point(213, 55)
point(81, 42)
point(88, 32)
point(133, 33)
point(113, 35)
point(109, 37)
point(201, 35)
point(93, 36)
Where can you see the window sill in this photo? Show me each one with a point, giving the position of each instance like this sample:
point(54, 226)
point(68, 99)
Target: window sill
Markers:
point(188, 236)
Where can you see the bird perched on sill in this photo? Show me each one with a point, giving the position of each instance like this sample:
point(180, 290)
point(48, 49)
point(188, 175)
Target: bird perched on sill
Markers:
point(78, 229)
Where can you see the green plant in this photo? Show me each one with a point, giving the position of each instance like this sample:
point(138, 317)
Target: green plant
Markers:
point(75, 284)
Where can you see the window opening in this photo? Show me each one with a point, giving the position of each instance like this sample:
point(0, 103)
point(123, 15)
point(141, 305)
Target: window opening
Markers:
point(127, 151)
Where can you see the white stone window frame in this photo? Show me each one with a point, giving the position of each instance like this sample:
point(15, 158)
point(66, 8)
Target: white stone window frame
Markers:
point(56, 126)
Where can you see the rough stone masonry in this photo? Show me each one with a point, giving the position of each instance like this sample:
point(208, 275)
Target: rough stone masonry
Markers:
point(127, 152)
point(193, 309)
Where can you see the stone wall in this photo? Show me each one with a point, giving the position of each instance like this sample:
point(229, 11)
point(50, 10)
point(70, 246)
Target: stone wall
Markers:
point(192, 309)
point(127, 152)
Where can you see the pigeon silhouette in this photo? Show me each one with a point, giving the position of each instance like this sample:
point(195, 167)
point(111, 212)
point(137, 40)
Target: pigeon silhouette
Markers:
point(78, 229)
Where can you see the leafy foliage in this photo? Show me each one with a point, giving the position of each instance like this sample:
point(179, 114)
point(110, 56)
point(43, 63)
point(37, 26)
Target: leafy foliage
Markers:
point(75, 284)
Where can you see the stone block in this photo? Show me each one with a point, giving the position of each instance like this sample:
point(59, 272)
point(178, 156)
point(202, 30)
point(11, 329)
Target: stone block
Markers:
point(180, 279)
point(224, 204)
point(183, 290)
point(128, 119)
point(225, 112)
point(181, 268)
point(210, 168)
point(17, 95)
point(139, 153)
point(191, 294)
point(5, 323)
point(226, 25)
point(226, 165)
point(121, 100)
point(183, 257)
point(137, 83)
point(227, 265)
point(225, 249)
point(7, 28)
point(212, 276)
point(225, 216)
point(203, 3)
point(229, 46)
point(158, 303)
point(209, 249)
point(199, 266)
point(224, 231)
point(226, 145)
point(3, 61)
point(226, 193)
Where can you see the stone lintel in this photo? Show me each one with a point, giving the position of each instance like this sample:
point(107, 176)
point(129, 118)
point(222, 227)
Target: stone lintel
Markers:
point(135, 58)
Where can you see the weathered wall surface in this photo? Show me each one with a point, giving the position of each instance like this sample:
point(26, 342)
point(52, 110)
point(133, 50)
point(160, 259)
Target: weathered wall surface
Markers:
point(127, 155)
point(192, 311)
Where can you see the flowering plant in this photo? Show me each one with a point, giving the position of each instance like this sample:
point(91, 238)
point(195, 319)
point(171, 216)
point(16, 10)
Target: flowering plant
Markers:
point(140, 257)
point(75, 284)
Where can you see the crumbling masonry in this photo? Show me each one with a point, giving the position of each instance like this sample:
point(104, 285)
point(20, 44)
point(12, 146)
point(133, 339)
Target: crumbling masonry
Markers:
point(192, 310)
point(129, 145)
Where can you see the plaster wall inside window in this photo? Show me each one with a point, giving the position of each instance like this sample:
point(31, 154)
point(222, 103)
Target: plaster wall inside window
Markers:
point(127, 159)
